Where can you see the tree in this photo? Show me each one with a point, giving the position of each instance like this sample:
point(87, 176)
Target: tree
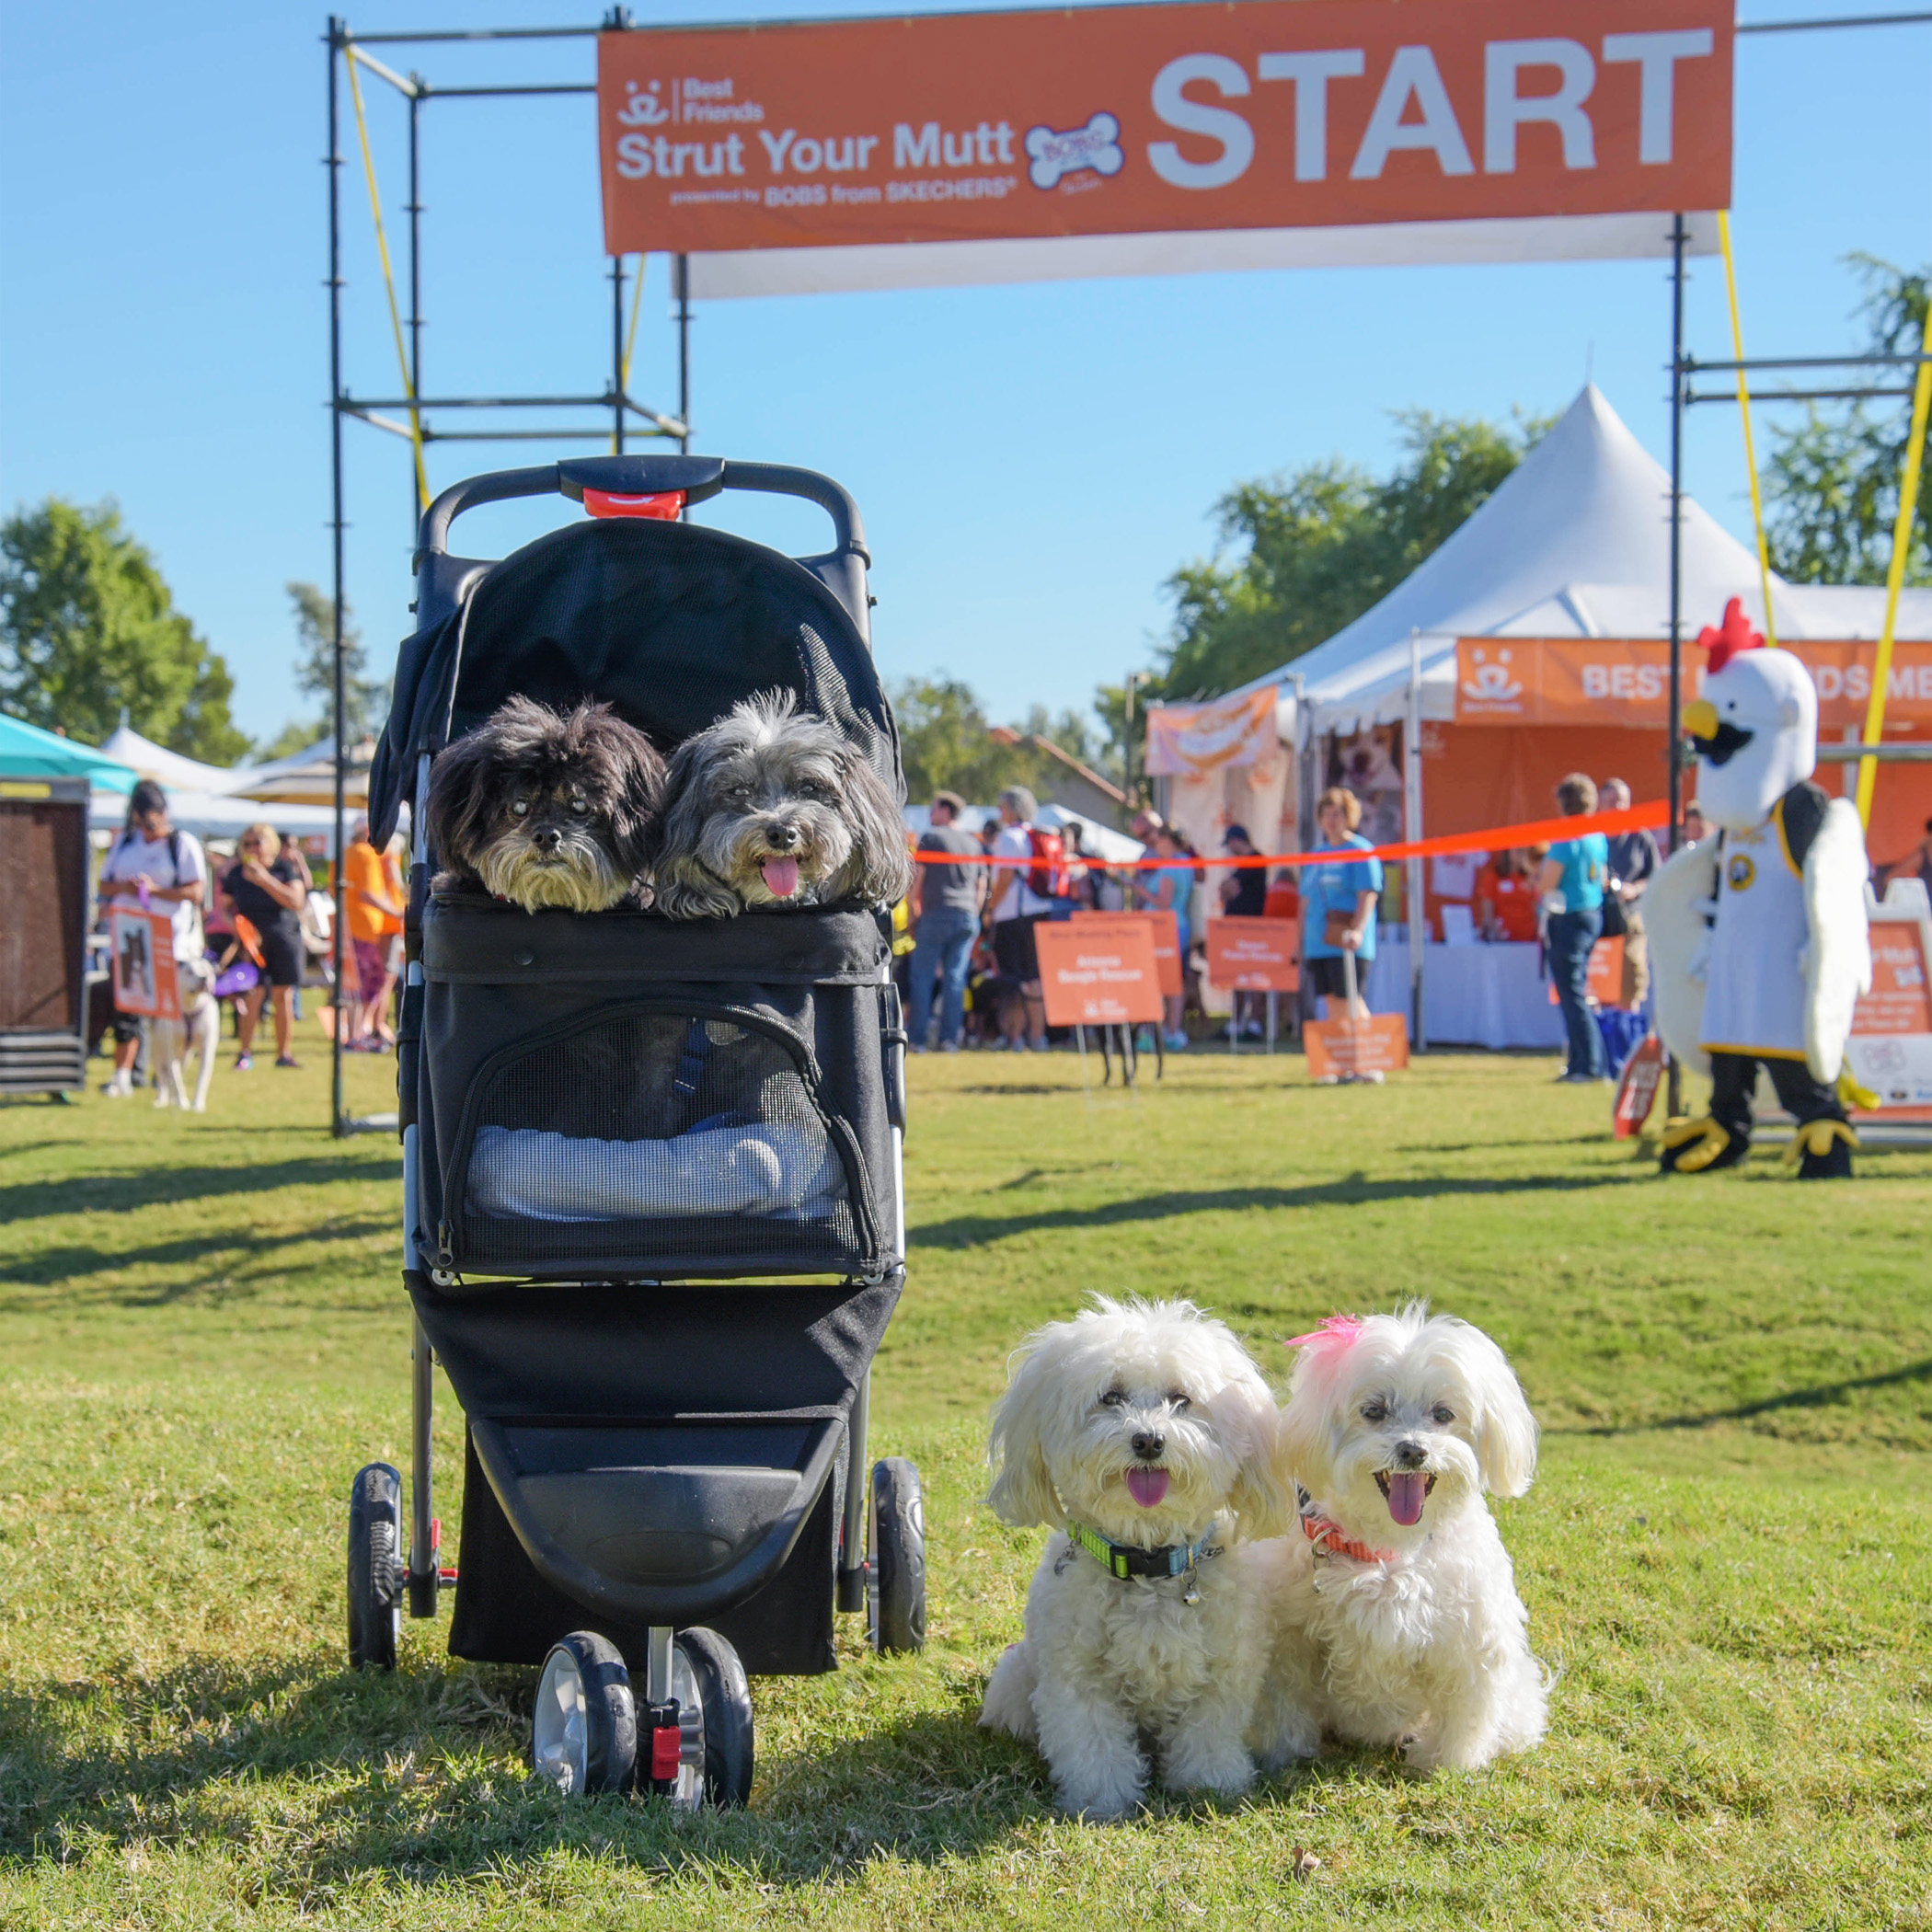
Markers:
point(88, 629)
point(365, 701)
point(947, 742)
point(1323, 545)
point(1833, 483)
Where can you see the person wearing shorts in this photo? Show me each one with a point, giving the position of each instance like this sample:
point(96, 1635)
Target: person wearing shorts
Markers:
point(1017, 910)
point(1344, 886)
point(376, 915)
point(266, 889)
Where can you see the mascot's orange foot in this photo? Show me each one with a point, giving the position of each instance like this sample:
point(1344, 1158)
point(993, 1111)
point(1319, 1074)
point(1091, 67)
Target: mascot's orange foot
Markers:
point(1698, 1146)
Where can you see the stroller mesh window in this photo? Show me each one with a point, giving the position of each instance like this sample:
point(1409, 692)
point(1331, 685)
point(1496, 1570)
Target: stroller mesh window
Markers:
point(660, 1138)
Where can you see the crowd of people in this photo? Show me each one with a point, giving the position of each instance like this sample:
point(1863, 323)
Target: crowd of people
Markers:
point(970, 974)
point(257, 915)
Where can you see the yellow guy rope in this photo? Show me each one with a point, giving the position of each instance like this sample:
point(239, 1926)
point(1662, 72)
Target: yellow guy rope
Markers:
point(1895, 576)
point(382, 250)
point(631, 341)
point(1737, 347)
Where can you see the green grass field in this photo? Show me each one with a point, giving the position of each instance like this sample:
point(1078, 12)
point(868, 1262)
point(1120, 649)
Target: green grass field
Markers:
point(1726, 1555)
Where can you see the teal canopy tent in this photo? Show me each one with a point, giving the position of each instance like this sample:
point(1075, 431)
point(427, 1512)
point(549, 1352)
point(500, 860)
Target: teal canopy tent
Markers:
point(26, 751)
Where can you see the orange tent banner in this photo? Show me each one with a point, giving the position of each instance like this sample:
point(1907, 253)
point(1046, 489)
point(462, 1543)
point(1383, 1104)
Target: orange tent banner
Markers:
point(1097, 972)
point(1159, 120)
point(1626, 680)
point(1190, 741)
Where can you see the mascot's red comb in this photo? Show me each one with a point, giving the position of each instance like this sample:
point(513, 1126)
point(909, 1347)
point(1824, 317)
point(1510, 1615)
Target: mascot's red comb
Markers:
point(1336, 1333)
point(1728, 639)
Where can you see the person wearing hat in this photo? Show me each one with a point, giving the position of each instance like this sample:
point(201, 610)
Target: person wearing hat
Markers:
point(1244, 895)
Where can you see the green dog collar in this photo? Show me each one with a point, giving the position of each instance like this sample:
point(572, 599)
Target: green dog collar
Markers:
point(1124, 1561)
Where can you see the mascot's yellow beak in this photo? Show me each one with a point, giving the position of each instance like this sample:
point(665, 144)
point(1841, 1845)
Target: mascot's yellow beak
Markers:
point(1700, 719)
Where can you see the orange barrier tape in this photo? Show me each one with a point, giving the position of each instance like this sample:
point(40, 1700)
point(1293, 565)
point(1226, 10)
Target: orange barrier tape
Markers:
point(1496, 838)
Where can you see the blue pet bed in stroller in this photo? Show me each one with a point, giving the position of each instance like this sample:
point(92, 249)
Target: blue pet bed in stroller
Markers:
point(653, 1222)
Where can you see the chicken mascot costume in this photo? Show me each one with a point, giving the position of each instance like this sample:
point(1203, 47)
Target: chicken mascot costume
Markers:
point(1758, 935)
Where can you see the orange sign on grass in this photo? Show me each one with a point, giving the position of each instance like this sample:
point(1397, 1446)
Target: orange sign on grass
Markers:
point(1098, 972)
point(1606, 973)
point(1253, 955)
point(1340, 1047)
point(1166, 929)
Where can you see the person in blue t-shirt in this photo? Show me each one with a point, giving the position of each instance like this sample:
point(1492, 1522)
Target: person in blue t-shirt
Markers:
point(1343, 889)
point(1575, 873)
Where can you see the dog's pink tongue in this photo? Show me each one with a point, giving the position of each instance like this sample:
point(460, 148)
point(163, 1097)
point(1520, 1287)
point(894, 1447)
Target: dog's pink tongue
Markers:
point(1406, 1495)
point(1147, 1486)
point(781, 875)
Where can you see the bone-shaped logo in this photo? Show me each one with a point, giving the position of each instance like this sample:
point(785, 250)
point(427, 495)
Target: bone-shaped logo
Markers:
point(1094, 146)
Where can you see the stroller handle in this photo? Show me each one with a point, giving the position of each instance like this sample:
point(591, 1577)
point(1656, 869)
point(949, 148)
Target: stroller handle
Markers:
point(697, 476)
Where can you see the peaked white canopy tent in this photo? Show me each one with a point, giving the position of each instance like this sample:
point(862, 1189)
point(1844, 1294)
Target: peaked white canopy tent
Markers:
point(1575, 544)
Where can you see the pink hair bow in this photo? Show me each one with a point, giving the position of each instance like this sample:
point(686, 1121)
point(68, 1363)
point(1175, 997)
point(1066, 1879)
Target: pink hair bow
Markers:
point(1336, 1333)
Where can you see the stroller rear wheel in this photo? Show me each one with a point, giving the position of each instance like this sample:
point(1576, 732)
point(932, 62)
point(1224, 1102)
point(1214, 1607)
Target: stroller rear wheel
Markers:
point(896, 1595)
point(583, 1737)
point(715, 1718)
point(374, 1567)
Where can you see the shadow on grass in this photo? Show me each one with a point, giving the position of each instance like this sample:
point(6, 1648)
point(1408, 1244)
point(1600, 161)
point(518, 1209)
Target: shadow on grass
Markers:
point(71, 1269)
point(163, 1182)
point(1821, 1396)
point(1353, 1191)
point(420, 1777)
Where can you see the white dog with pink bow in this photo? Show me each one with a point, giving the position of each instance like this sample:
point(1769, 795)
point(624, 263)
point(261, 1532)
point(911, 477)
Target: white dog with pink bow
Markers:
point(1395, 1615)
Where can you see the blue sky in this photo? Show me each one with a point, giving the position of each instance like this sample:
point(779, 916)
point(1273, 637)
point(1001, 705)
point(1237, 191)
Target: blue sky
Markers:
point(1032, 462)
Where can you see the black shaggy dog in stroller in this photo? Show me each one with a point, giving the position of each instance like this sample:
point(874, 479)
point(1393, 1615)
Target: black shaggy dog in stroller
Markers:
point(652, 1216)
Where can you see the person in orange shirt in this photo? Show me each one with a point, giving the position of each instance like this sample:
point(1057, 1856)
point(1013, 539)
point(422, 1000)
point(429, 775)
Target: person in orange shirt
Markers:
point(373, 906)
point(1506, 897)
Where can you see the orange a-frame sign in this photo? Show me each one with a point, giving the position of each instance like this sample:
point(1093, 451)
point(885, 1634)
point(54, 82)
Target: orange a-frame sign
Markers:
point(1254, 955)
point(140, 962)
point(1889, 1051)
point(1171, 123)
point(1166, 928)
point(1098, 972)
point(1606, 973)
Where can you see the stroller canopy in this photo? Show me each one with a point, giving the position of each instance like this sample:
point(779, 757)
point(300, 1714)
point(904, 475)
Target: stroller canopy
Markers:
point(671, 623)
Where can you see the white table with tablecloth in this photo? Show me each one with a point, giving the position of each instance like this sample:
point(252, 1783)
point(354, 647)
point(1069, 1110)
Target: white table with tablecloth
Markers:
point(1484, 995)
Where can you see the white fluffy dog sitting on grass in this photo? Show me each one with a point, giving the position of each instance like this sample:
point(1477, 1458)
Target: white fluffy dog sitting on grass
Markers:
point(1395, 1608)
point(1144, 1435)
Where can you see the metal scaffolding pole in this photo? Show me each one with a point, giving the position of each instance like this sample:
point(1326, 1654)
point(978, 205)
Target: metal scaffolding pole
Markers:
point(336, 926)
point(1674, 1100)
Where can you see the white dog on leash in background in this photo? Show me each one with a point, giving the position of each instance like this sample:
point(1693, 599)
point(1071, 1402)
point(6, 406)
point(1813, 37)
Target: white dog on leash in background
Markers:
point(199, 1030)
point(1395, 1608)
point(1144, 1435)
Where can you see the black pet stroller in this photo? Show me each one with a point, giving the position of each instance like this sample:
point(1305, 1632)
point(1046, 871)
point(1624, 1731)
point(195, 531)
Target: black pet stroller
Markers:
point(653, 1221)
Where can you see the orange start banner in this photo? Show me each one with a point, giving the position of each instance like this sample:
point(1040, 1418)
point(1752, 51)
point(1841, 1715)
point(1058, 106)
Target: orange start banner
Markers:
point(1098, 972)
point(1159, 119)
point(1254, 955)
point(1626, 680)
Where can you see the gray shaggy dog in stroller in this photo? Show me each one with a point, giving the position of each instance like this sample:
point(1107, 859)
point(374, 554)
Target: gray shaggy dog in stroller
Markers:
point(773, 806)
point(544, 809)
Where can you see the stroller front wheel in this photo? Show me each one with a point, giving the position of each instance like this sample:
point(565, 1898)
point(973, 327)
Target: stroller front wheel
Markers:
point(583, 1735)
point(715, 1714)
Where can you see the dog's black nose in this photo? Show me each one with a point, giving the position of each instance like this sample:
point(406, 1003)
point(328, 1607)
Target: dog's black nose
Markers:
point(784, 837)
point(1148, 1446)
point(1411, 1455)
point(547, 838)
